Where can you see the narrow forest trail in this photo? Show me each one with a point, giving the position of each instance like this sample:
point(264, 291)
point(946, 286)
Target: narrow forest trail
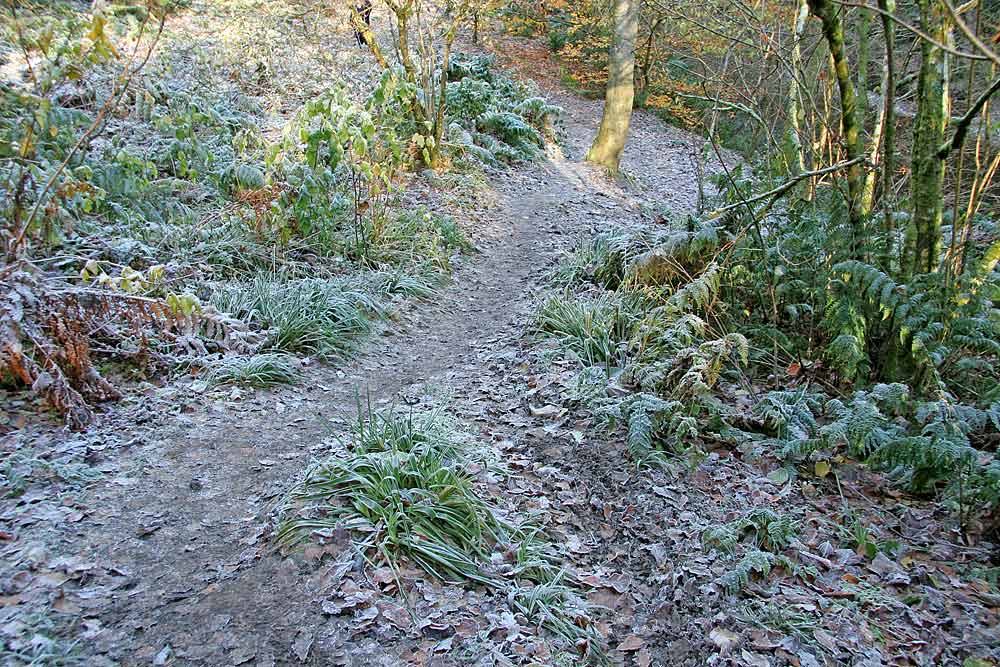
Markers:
point(167, 559)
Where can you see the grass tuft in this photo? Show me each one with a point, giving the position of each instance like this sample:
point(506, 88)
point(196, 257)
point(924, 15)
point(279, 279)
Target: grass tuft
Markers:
point(412, 504)
point(557, 607)
point(259, 370)
point(304, 315)
point(597, 330)
point(402, 491)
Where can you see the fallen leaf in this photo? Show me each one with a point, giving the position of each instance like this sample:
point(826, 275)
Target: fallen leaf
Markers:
point(547, 411)
point(163, 656)
point(631, 643)
point(725, 640)
point(303, 644)
point(65, 606)
point(779, 476)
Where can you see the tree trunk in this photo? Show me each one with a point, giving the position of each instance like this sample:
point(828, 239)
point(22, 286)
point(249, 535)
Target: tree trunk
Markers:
point(368, 35)
point(796, 113)
point(888, 125)
point(439, 116)
point(833, 30)
point(611, 137)
point(927, 169)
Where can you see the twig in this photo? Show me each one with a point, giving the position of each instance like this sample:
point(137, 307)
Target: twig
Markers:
point(963, 124)
point(724, 104)
point(970, 34)
point(918, 32)
point(787, 185)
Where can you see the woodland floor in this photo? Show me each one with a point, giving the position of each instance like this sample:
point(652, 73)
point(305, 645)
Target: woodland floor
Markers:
point(166, 557)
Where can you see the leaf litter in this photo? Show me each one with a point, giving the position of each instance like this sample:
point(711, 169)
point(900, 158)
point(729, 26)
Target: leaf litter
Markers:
point(106, 536)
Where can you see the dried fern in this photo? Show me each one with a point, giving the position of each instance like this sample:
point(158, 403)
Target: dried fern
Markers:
point(48, 330)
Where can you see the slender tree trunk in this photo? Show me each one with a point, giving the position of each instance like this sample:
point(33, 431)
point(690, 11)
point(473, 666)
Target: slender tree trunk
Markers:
point(439, 116)
point(833, 29)
point(610, 140)
point(368, 35)
point(868, 191)
point(796, 114)
point(861, 108)
point(646, 64)
point(927, 170)
point(981, 179)
point(888, 124)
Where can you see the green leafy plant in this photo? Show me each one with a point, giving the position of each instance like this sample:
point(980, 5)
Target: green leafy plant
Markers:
point(367, 144)
point(492, 117)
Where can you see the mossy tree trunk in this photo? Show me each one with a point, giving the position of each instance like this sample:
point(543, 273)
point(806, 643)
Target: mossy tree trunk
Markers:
point(923, 237)
point(611, 136)
point(368, 35)
point(888, 131)
point(829, 13)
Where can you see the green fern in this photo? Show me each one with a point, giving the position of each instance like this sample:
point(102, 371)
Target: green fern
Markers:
point(932, 322)
point(943, 453)
point(691, 371)
point(770, 531)
point(699, 293)
point(754, 562)
point(861, 424)
point(791, 413)
point(650, 420)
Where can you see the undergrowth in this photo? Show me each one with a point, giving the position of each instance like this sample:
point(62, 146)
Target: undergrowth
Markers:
point(259, 370)
point(900, 376)
point(138, 207)
point(401, 489)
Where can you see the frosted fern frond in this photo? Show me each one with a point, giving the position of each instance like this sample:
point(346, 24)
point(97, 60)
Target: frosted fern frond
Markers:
point(753, 563)
point(770, 531)
point(649, 419)
point(791, 413)
point(699, 293)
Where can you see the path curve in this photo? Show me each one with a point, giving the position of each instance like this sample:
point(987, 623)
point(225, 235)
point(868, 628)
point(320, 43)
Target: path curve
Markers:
point(173, 550)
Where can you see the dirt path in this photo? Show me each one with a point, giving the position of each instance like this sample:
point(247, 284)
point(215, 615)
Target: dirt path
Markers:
point(166, 560)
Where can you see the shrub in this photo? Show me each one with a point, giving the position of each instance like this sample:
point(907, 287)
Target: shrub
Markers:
point(493, 117)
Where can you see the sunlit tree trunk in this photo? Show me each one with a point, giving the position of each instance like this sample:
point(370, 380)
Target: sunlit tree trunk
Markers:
point(833, 30)
point(610, 140)
point(922, 244)
point(368, 35)
point(796, 114)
